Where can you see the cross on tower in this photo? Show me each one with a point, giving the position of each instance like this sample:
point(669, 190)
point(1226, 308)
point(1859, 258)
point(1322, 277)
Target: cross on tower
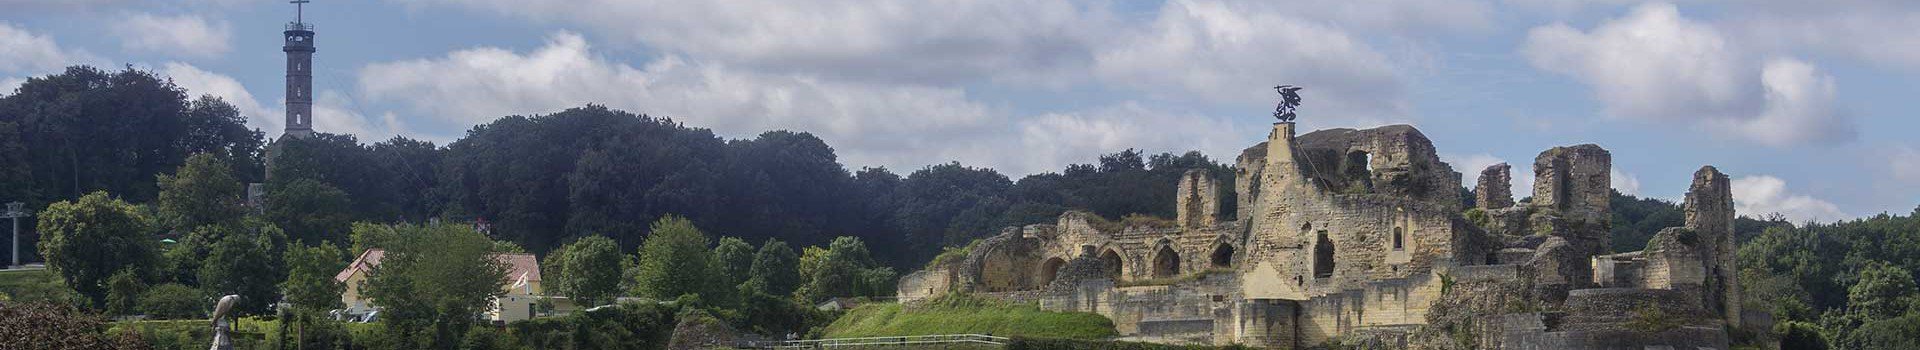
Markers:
point(299, 9)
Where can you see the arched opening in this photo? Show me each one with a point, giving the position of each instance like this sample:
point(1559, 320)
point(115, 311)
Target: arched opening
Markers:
point(1323, 256)
point(1050, 270)
point(1223, 256)
point(1110, 262)
point(1398, 239)
point(1166, 262)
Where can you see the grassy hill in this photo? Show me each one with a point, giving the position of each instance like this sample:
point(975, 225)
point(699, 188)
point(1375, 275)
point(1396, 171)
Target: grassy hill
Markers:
point(958, 314)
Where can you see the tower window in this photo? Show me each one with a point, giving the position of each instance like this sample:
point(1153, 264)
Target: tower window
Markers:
point(1323, 256)
point(1398, 240)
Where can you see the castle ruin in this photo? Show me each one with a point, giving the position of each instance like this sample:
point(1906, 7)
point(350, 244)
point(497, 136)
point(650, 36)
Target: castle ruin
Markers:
point(1362, 237)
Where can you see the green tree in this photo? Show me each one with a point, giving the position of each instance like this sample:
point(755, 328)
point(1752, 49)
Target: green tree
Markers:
point(98, 130)
point(589, 270)
point(93, 238)
point(123, 292)
point(174, 301)
point(733, 261)
point(203, 192)
point(432, 282)
point(310, 286)
point(674, 260)
point(310, 211)
point(844, 269)
point(1883, 291)
point(245, 260)
point(774, 269)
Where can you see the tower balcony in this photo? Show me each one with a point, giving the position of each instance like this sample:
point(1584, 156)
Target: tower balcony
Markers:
point(299, 26)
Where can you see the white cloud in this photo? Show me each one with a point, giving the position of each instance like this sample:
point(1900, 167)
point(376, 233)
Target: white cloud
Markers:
point(1625, 182)
point(1470, 166)
point(895, 125)
point(8, 84)
point(202, 82)
point(1232, 53)
point(184, 35)
point(1053, 139)
point(332, 111)
point(1654, 64)
point(1761, 195)
point(906, 41)
point(28, 53)
point(1875, 31)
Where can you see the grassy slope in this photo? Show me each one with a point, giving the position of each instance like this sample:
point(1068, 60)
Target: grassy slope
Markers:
point(968, 315)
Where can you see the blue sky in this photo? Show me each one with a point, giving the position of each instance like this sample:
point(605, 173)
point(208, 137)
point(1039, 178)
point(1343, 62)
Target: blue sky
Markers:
point(1807, 104)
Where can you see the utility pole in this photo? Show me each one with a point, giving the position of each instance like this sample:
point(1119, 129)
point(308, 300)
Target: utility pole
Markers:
point(15, 211)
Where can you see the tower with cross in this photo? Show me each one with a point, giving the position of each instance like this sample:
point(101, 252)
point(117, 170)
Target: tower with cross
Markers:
point(299, 49)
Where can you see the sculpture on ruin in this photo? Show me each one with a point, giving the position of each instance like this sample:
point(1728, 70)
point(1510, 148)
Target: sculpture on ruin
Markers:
point(222, 323)
point(1289, 99)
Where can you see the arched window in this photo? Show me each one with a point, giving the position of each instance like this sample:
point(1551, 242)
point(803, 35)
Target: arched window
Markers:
point(1050, 271)
point(1166, 262)
point(1110, 261)
point(1323, 256)
point(1223, 255)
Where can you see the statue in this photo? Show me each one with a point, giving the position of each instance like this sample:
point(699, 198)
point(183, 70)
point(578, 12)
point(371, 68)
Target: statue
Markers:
point(223, 323)
point(1289, 99)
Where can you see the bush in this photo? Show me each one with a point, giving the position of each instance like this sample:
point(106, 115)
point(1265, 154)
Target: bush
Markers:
point(174, 301)
point(627, 326)
point(1800, 335)
point(50, 326)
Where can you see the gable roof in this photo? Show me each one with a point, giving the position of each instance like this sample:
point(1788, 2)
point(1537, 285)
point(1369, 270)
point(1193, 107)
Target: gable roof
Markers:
point(520, 266)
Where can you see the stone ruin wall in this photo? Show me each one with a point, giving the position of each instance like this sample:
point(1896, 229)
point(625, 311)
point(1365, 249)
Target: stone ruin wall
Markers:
point(1359, 187)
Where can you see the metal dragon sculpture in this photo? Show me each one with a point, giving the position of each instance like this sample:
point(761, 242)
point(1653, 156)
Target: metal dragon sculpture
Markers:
point(1289, 100)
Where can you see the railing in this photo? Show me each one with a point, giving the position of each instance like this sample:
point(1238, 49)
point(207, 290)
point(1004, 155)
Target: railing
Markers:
point(950, 339)
point(300, 26)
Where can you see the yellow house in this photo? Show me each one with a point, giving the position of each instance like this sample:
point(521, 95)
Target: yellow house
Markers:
point(522, 286)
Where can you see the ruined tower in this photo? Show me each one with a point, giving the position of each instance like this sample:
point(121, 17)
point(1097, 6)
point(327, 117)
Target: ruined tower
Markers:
point(1495, 189)
point(1198, 199)
point(1709, 209)
point(299, 49)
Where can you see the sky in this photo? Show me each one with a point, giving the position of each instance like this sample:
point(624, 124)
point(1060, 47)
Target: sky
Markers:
point(1807, 105)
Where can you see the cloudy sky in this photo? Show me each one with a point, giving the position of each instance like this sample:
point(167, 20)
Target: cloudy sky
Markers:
point(1809, 105)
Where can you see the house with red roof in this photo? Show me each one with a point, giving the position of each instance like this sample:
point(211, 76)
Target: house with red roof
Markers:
point(522, 286)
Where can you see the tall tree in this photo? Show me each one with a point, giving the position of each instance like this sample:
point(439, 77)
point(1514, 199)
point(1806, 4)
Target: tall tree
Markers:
point(589, 270)
point(310, 211)
point(244, 260)
point(774, 269)
point(94, 130)
point(92, 238)
point(674, 261)
point(732, 261)
point(432, 281)
point(203, 192)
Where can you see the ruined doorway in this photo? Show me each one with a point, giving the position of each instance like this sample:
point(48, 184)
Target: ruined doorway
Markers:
point(1110, 262)
point(1223, 256)
point(1322, 256)
point(1166, 262)
point(1050, 271)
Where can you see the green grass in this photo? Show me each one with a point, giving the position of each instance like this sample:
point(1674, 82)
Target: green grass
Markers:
point(956, 314)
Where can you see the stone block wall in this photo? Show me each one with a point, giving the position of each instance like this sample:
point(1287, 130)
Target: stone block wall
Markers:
point(1197, 200)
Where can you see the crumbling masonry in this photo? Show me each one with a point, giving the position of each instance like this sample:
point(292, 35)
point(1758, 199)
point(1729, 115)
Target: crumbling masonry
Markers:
point(1361, 237)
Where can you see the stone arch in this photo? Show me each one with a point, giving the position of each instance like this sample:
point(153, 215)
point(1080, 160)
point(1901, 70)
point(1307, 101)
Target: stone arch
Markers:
point(998, 274)
point(1050, 270)
point(1166, 262)
point(1113, 264)
point(1322, 256)
point(1223, 255)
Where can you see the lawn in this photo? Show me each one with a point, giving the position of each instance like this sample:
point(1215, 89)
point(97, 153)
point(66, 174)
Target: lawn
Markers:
point(968, 315)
